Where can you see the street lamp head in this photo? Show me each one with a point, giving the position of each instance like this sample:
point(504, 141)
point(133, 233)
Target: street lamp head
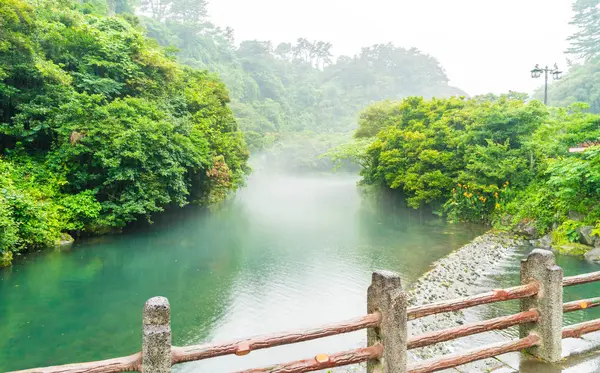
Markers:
point(556, 74)
point(536, 72)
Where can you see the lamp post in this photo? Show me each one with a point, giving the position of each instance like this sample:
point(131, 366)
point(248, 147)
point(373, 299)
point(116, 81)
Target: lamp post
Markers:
point(537, 72)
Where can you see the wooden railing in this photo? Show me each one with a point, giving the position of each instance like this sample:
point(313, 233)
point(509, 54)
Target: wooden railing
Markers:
point(540, 329)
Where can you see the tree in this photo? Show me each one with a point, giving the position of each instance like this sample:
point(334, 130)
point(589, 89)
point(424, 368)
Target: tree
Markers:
point(297, 86)
point(585, 42)
point(424, 147)
point(158, 8)
point(185, 11)
point(322, 52)
point(302, 50)
point(188, 11)
point(99, 128)
point(580, 84)
point(284, 51)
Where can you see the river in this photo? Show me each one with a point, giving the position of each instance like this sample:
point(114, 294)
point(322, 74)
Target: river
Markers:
point(287, 251)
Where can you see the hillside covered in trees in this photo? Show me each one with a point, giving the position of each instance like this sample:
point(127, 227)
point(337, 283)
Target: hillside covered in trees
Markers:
point(100, 128)
point(113, 110)
point(291, 87)
point(503, 160)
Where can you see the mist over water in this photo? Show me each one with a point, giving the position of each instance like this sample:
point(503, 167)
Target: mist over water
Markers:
point(288, 251)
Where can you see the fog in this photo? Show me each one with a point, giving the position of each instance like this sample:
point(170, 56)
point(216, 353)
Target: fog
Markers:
point(485, 46)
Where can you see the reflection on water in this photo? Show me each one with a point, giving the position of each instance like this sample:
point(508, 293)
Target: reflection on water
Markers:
point(287, 252)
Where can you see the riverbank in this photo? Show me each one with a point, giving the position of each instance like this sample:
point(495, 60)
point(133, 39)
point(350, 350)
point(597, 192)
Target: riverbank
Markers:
point(470, 270)
point(457, 275)
point(475, 268)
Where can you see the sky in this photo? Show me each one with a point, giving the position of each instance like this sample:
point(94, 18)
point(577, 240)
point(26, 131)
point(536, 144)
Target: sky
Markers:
point(484, 45)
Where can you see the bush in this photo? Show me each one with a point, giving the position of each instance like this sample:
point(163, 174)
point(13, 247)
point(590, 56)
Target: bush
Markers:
point(461, 153)
point(100, 128)
point(28, 217)
point(567, 232)
point(476, 203)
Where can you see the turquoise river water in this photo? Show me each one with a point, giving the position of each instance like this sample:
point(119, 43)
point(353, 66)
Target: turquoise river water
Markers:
point(286, 252)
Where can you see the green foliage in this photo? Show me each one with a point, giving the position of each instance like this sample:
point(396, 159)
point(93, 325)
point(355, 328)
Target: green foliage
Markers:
point(565, 185)
point(581, 82)
point(9, 229)
point(575, 182)
point(476, 203)
point(100, 128)
point(351, 153)
point(376, 117)
point(79, 210)
point(565, 238)
point(464, 153)
point(28, 218)
point(533, 205)
point(430, 145)
point(305, 152)
point(566, 232)
point(296, 87)
point(586, 40)
point(596, 230)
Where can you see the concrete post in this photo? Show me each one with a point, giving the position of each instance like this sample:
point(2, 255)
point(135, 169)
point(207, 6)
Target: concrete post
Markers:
point(156, 342)
point(541, 267)
point(386, 296)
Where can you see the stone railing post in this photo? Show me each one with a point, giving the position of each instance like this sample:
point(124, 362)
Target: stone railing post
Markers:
point(385, 295)
point(540, 266)
point(156, 342)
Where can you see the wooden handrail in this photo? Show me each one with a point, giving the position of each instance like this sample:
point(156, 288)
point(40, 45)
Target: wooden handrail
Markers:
point(129, 363)
point(581, 279)
point(493, 296)
point(581, 304)
point(497, 323)
point(157, 311)
point(324, 361)
point(205, 351)
point(577, 330)
point(454, 360)
point(244, 346)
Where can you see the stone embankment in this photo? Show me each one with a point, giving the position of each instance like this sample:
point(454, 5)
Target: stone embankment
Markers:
point(457, 275)
point(471, 270)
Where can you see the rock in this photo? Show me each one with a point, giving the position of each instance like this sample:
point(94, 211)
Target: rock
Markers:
point(65, 240)
point(585, 235)
point(506, 220)
point(574, 249)
point(577, 216)
point(527, 228)
point(456, 275)
point(593, 255)
point(6, 258)
point(544, 242)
